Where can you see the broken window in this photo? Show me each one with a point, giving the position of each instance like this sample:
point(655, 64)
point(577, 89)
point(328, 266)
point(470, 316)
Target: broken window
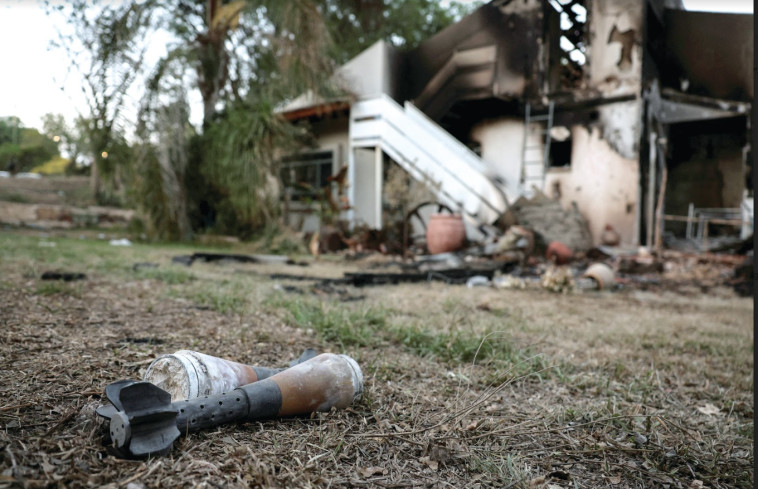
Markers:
point(560, 147)
point(305, 173)
point(560, 153)
point(572, 48)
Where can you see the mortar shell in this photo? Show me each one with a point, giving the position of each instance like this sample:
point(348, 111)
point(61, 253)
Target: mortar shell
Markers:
point(189, 374)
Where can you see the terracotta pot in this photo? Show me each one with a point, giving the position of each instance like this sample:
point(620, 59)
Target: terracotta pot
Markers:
point(610, 237)
point(445, 233)
point(559, 253)
point(602, 274)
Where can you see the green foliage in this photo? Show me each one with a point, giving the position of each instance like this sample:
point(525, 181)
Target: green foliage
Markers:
point(15, 197)
point(9, 129)
point(106, 44)
point(240, 160)
point(71, 139)
point(263, 55)
point(357, 24)
point(48, 288)
point(225, 182)
point(159, 185)
point(55, 166)
point(22, 149)
point(146, 191)
point(113, 165)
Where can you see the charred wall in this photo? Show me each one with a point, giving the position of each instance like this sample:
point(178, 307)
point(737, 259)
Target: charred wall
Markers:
point(694, 63)
point(615, 55)
point(709, 54)
point(601, 182)
point(515, 37)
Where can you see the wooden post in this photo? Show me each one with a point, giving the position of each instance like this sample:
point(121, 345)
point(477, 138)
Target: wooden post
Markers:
point(651, 189)
point(659, 211)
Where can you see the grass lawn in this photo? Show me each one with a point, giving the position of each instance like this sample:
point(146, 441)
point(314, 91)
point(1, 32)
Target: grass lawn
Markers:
point(463, 387)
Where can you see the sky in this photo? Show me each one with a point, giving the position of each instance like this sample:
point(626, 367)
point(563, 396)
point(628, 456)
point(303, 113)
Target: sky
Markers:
point(31, 75)
point(36, 80)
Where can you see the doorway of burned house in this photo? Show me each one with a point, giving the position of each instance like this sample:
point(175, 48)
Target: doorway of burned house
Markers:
point(707, 165)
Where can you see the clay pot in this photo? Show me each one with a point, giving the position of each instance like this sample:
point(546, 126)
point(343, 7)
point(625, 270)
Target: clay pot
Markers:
point(559, 253)
point(602, 274)
point(445, 233)
point(610, 237)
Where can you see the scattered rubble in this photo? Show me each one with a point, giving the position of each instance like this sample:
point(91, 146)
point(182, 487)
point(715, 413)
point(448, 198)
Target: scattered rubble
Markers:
point(188, 260)
point(509, 282)
point(120, 242)
point(63, 276)
point(558, 279)
point(549, 220)
point(603, 268)
point(743, 280)
point(448, 276)
point(478, 281)
point(143, 266)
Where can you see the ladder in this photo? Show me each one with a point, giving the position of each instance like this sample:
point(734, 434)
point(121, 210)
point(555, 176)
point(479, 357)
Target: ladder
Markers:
point(535, 158)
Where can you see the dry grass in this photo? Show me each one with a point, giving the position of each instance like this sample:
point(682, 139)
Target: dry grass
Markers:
point(619, 390)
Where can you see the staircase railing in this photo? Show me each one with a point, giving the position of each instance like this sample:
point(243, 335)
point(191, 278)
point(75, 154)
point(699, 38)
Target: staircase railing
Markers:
point(429, 154)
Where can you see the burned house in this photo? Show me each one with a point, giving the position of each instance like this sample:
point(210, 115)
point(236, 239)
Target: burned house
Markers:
point(637, 113)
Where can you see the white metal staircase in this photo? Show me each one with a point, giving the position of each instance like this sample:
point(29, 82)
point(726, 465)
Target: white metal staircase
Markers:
point(457, 176)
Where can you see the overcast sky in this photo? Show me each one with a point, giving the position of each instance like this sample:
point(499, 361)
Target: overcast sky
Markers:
point(34, 80)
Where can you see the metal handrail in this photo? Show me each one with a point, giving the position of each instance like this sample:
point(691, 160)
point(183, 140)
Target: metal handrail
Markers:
point(425, 136)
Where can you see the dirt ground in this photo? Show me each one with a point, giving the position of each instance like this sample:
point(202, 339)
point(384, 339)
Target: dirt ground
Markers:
point(464, 387)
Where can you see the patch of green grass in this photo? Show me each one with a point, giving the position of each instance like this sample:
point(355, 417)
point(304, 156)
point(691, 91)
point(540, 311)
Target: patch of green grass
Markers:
point(372, 327)
point(48, 288)
point(171, 276)
point(221, 302)
point(344, 327)
point(34, 254)
point(453, 346)
point(64, 253)
point(226, 296)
